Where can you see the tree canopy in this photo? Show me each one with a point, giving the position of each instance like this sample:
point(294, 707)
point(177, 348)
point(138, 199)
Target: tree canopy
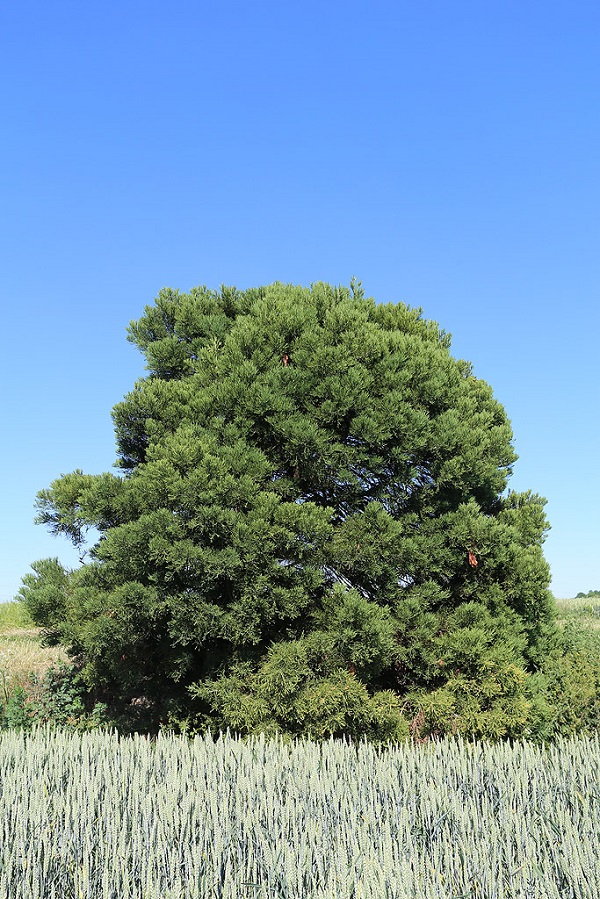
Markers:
point(309, 529)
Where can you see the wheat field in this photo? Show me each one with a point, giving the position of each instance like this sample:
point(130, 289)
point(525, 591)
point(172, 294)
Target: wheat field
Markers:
point(97, 816)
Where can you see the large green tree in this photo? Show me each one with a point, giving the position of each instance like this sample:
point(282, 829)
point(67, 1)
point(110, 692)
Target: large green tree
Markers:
point(310, 531)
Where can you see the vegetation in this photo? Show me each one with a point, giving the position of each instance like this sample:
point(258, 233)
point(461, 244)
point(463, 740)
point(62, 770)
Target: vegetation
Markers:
point(310, 533)
point(222, 818)
point(23, 660)
point(14, 615)
point(569, 681)
point(186, 819)
point(581, 614)
point(38, 685)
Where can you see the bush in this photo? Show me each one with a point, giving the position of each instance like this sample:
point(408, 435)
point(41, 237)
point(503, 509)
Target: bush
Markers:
point(58, 698)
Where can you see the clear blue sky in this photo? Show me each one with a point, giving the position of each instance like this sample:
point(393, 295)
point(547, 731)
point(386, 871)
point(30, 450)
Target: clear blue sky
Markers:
point(447, 154)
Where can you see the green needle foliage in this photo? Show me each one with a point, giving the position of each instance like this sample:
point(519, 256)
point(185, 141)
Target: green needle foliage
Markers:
point(310, 532)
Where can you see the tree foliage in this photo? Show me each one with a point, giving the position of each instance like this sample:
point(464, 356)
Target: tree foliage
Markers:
point(309, 530)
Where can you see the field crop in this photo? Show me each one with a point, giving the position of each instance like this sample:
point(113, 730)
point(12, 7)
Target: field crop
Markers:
point(96, 816)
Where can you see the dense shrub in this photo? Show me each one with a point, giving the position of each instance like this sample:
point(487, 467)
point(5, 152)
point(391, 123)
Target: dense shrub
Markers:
point(57, 698)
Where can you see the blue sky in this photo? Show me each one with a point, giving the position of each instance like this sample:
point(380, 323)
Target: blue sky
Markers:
point(446, 154)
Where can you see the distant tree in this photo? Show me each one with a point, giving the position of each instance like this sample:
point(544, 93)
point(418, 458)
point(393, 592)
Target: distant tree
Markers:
point(310, 531)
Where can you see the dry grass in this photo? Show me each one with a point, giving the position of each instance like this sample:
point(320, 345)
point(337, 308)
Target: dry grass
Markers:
point(21, 649)
point(21, 657)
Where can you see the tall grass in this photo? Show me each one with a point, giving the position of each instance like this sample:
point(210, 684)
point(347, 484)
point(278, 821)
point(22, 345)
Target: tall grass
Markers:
point(14, 615)
point(21, 651)
point(95, 816)
point(584, 611)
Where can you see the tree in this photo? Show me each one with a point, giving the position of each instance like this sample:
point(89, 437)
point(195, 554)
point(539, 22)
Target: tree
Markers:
point(310, 531)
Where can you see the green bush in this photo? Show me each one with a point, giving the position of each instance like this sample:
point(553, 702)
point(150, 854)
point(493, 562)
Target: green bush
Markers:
point(567, 687)
point(58, 698)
